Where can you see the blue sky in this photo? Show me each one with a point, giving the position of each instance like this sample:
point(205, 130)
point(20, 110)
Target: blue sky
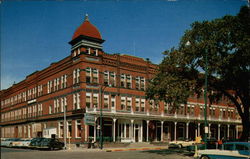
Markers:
point(36, 33)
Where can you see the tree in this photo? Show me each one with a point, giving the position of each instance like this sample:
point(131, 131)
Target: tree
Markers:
point(226, 41)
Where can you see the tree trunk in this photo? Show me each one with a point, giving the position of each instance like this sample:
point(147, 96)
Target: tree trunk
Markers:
point(246, 128)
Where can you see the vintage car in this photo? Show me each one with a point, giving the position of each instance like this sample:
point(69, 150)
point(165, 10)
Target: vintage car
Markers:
point(8, 142)
point(239, 150)
point(16, 143)
point(35, 142)
point(25, 142)
point(181, 143)
point(51, 144)
point(211, 144)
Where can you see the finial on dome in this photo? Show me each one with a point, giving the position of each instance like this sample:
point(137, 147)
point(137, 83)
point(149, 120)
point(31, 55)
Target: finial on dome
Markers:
point(86, 17)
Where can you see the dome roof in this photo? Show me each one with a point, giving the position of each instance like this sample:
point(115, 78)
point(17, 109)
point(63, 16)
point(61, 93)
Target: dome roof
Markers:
point(87, 29)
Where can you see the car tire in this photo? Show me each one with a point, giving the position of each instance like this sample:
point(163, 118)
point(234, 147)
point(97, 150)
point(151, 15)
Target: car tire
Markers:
point(180, 145)
point(204, 157)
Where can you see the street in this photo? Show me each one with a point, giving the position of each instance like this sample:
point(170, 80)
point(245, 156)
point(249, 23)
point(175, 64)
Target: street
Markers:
point(11, 153)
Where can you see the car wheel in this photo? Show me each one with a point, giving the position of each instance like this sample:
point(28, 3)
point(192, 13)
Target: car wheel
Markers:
point(180, 145)
point(204, 157)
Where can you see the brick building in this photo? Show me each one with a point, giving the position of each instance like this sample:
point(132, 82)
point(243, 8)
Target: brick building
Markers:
point(88, 78)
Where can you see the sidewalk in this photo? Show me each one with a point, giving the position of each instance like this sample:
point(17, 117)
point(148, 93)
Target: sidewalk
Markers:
point(132, 147)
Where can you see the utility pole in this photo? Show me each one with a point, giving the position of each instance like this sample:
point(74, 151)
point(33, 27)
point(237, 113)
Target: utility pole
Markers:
point(205, 99)
point(64, 127)
point(101, 134)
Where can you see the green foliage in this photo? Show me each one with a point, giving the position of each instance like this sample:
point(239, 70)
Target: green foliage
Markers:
point(226, 41)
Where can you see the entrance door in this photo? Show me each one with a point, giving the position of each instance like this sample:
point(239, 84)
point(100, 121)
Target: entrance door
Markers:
point(136, 135)
point(166, 134)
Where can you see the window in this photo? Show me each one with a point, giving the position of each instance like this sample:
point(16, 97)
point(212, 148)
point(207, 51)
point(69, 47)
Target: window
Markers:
point(154, 105)
point(123, 80)
point(113, 101)
point(140, 83)
point(142, 105)
point(74, 53)
point(129, 103)
point(137, 104)
point(109, 78)
point(55, 106)
point(180, 110)
point(89, 51)
point(63, 81)
point(69, 132)
point(88, 75)
point(76, 76)
point(61, 129)
point(95, 75)
point(224, 113)
point(106, 101)
point(96, 52)
point(78, 128)
point(201, 111)
point(106, 78)
point(221, 112)
point(78, 51)
point(191, 110)
point(40, 109)
point(24, 113)
point(137, 83)
point(63, 103)
point(76, 100)
point(129, 81)
point(95, 100)
point(212, 112)
point(40, 90)
point(50, 109)
point(49, 86)
point(112, 78)
point(123, 103)
point(88, 100)
point(165, 108)
point(57, 83)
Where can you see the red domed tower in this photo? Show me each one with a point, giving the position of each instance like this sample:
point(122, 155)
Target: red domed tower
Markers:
point(86, 39)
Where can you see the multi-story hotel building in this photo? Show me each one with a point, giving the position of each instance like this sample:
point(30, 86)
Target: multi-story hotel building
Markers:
point(89, 79)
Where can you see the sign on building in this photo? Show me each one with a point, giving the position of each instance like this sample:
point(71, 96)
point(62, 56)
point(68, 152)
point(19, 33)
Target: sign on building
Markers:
point(89, 119)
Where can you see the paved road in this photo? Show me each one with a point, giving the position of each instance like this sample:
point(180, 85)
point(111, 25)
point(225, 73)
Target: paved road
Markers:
point(10, 153)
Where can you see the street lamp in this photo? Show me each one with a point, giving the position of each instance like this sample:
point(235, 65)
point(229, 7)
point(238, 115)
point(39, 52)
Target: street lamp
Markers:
point(64, 127)
point(205, 97)
point(102, 88)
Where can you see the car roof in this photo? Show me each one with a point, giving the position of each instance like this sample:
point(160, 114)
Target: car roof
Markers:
point(239, 143)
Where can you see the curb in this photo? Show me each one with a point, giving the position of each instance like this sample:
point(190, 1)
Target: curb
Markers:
point(136, 149)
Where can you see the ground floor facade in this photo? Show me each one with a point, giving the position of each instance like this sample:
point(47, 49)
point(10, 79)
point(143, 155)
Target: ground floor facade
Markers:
point(124, 127)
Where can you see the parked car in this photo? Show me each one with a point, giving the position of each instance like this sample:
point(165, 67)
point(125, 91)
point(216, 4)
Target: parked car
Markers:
point(211, 144)
point(8, 142)
point(16, 143)
point(35, 142)
point(3, 141)
point(25, 142)
point(50, 143)
point(181, 143)
point(229, 150)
